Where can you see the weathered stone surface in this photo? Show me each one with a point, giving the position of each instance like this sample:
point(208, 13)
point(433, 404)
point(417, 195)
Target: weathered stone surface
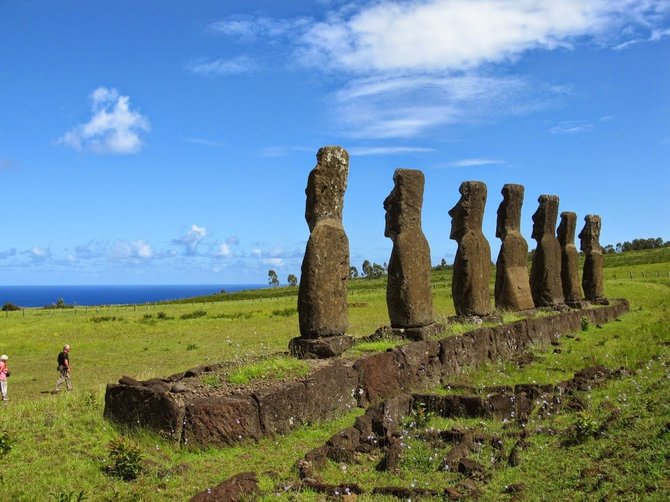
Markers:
point(138, 406)
point(380, 376)
point(221, 421)
point(545, 272)
point(322, 296)
point(512, 287)
point(239, 488)
point(569, 258)
point(324, 395)
point(470, 285)
point(592, 274)
point(319, 348)
point(408, 291)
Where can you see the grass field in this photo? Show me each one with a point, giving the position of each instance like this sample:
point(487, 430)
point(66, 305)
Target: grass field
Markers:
point(55, 447)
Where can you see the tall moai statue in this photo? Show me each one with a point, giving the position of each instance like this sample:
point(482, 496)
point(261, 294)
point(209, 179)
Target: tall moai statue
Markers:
point(572, 291)
point(408, 292)
point(512, 289)
point(322, 296)
point(545, 271)
point(470, 284)
point(592, 274)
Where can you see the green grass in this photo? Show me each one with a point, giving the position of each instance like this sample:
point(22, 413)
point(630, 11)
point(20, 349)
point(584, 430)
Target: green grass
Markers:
point(275, 368)
point(59, 443)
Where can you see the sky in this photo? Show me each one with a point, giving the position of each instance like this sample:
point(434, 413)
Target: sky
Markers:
point(169, 142)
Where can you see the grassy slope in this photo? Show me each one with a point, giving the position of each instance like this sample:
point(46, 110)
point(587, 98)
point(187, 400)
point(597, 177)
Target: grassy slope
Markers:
point(41, 427)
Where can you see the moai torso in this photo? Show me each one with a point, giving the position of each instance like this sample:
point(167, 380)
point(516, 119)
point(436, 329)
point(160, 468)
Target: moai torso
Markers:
point(592, 275)
point(322, 295)
point(470, 286)
point(512, 289)
point(569, 258)
point(545, 271)
point(408, 291)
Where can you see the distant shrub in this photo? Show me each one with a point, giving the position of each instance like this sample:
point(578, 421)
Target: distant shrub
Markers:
point(235, 315)
point(146, 317)
point(60, 304)
point(163, 316)
point(191, 346)
point(585, 323)
point(287, 312)
point(69, 496)
point(10, 307)
point(125, 459)
point(5, 444)
point(105, 318)
point(194, 315)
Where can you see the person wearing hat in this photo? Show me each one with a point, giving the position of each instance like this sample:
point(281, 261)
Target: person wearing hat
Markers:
point(4, 373)
point(64, 369)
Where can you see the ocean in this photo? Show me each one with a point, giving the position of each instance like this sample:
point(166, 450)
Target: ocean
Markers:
point(39, 296)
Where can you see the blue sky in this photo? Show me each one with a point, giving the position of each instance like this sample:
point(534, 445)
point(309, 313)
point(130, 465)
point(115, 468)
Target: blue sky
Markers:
point(170, 141)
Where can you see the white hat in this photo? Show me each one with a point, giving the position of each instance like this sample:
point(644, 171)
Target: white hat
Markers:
point(3, 357)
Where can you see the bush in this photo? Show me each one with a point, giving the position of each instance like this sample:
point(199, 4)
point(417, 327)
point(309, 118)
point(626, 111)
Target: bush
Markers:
point(163, 316)
point(125, 459)
point(10, 307)
point(585, 323)
point(69, 496)
point(105, 318)
point(287, 312)
point(60, 304)
point(194, 315)
point(5, 444)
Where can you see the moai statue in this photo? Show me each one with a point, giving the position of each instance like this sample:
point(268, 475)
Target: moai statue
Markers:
point(408, 292)
point(322, 296)
point(569, 259)
point(592, 274)
point(512, 289)
point(470, 286)
point(545, 271)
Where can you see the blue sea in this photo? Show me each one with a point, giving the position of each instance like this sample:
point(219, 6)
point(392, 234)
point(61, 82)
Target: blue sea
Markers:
point(39, 296)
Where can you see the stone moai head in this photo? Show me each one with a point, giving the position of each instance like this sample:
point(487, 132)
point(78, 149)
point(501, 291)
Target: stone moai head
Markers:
point(566, 229)
point(589, 237)
point(403, 205)
point(509, 210)
point(326, 185)
point(544, 219)
point(468, 213)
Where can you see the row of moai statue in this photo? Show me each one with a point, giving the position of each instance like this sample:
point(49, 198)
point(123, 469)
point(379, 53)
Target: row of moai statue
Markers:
point(553, 281)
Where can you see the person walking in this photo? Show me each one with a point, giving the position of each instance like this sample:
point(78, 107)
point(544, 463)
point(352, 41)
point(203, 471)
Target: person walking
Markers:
point(64, 369)
point(4, 373)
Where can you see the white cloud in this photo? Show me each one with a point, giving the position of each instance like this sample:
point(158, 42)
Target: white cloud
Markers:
point(571, 127)
point(224, 251)
point(248, 28)
point(191, 239)
point(129, 250)
point(475, 162)
point(234, 66)
point(113, 128)
point(206, 142)
point(7, 253)
point(387, 150)
point(233, 240)
point(39, 254)
point(465, 34)
point(275, 262)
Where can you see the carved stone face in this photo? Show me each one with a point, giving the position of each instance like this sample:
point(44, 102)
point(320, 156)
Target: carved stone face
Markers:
point(566, 229)
point(538, 222)
point(392, 206)
point(500, 222)
point(458, 215)
point(590, 235)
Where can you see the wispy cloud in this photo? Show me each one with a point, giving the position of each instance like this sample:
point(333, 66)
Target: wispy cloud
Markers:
point(361, 151)
point(205, 142)
point(191, 239)
point(249, 28)
point(572, 127)
point(131, 250)
point(233, 66)
point(474, 162)
point(224, 251)
point(8, 253)
point(114, 127)
point(38, 253)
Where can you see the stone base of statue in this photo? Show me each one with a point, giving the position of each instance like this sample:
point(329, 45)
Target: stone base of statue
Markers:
point(474, 319)
point(579, 304)
point(599, 301)
point(417, 333)
point(319, 348)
